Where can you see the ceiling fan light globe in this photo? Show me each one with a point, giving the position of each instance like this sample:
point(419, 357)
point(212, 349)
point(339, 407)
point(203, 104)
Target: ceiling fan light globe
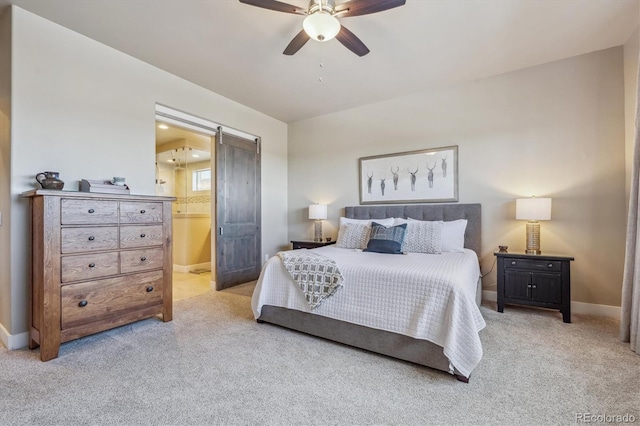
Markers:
point(321, 26)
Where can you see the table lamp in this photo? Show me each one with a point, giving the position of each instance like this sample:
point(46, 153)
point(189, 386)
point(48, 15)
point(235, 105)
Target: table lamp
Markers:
point(318, 212)
point(532, 210)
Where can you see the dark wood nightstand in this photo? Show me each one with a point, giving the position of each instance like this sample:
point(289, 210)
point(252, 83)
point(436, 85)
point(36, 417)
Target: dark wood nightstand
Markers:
point(310, 244)
point(535, 280)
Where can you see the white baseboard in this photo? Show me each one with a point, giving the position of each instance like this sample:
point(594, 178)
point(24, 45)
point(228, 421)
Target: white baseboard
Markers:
point(12, 342)
point(187, 268)
point(212, 285)
point(576, 307)
point(598, 310)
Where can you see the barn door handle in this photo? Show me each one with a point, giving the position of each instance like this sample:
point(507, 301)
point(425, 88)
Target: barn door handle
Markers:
point(221, 231)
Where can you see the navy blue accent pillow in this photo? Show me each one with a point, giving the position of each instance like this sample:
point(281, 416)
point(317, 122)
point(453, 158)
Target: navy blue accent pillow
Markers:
point(386, 240)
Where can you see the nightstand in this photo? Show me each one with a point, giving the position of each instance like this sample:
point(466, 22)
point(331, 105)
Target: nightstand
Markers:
point(309, 244)
point(535, 280)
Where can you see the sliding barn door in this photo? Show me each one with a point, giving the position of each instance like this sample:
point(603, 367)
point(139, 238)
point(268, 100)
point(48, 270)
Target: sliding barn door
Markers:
point(238, 254)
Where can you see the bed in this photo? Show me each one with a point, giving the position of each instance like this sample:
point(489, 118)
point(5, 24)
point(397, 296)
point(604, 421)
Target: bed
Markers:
point(385, 305)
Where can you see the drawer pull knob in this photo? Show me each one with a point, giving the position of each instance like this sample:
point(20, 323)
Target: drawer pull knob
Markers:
point(550, 265)
point(92, 265)
point(149, 289)
point(143, 258)
point(513, 262)
point(83, 303)
point(92, 211)
point(91, 238)
point(143, 235)
point(143, 211)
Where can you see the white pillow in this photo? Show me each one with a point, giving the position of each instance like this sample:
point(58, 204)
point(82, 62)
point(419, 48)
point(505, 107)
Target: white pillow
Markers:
point(422, 236)
point(452, 235)
point(343, 220)
point(354, 236)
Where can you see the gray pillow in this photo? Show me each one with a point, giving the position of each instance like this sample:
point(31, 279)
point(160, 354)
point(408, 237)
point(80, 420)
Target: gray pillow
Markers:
point(422, 236)
point(354, 236)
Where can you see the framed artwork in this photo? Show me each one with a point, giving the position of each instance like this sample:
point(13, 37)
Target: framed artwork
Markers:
point(425, 176)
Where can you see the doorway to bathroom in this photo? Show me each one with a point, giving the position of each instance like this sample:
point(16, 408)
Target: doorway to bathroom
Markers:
point(214, 171)
point(184, 170)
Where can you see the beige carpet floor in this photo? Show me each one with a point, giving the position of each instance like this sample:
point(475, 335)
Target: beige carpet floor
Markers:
point(213, 364)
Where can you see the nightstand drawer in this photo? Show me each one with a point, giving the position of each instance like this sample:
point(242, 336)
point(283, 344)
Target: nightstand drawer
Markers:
point(533, 264)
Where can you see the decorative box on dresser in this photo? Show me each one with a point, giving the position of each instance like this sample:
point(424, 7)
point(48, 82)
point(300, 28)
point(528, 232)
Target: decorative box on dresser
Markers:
point(99, 261)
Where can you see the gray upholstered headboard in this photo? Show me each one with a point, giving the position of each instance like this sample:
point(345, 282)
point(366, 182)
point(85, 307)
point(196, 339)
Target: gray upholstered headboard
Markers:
point(471, 212)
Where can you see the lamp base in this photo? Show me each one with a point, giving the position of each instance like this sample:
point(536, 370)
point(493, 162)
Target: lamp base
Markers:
point(317, 231)
point(533, 238)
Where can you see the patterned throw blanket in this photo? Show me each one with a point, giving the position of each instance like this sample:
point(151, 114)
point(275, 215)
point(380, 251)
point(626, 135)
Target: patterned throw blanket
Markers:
point(317, 276)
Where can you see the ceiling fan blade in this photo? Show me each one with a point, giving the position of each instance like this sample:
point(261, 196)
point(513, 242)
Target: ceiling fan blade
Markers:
point(276, 5)
point(365, 7)
point(351, 42)
point(297, 42)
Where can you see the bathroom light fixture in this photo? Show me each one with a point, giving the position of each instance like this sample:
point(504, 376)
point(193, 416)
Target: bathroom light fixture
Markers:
point(317, 212)
point(163, 126)
point(532, 210)
point(321, 26)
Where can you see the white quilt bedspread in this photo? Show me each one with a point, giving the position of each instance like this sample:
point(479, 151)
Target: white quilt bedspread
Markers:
point(424, 296)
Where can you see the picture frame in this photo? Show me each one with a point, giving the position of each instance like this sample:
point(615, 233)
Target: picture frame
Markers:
point(423, 176)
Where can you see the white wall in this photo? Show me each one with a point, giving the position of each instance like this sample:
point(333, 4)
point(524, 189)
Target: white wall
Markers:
point(554, 130)
point(5, 171)
point(88, 111)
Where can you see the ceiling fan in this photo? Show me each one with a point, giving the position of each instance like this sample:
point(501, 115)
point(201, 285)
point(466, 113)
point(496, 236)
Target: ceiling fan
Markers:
point(322, 23)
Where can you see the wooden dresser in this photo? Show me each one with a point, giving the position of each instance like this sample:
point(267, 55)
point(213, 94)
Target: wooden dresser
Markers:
point(99, 261)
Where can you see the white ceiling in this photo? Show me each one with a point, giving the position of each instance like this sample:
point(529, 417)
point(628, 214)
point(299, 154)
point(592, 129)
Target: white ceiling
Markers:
point(235, 50)
point(185, 145)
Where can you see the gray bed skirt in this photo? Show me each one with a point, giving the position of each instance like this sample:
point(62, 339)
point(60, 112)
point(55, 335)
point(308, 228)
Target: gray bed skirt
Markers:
point(395, 345)
point(382, 342)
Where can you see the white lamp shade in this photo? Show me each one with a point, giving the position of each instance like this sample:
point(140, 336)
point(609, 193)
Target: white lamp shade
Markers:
point(317, 211)
point(533, 208)
point(321, 26)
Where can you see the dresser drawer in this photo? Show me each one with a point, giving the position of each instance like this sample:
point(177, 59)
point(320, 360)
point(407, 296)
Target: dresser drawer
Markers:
point(141, 260)
point(141, 236)
point(140, 212)
point(87, 212)
point(533, 264)
point(84, 267)
point(100, 300)
point(79, 240)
